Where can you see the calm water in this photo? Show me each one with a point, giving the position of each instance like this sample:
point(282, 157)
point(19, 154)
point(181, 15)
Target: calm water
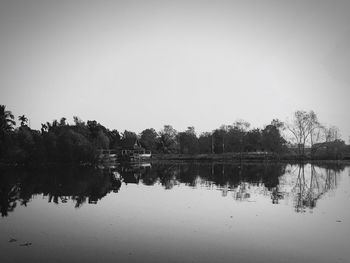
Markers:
point(177, 213)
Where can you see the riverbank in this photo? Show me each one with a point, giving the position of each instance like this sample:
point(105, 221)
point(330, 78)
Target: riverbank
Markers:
point(237, 157)
point(178, 158)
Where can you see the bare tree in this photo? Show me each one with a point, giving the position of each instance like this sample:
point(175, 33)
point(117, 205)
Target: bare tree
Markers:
point(317, 135)
point(303, 127)
point(331, 133)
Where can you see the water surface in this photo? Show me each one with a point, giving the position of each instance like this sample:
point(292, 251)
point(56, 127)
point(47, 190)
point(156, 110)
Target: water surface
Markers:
point(193, 212)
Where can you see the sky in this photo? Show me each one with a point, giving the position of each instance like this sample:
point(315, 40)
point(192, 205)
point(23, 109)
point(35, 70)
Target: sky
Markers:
point(140, 64)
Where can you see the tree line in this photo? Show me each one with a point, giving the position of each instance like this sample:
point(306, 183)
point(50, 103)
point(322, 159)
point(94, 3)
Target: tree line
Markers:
point(61, 142)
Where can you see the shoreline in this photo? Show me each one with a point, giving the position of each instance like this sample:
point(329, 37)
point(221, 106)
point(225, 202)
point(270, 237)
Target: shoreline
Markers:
point(187, 158)
point(238, 158)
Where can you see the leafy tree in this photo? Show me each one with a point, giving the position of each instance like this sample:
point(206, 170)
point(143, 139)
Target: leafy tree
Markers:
point(102, 140)
point(74, 147)
point(98, 134)
point(237, 135)
point(6, 127)
point(114, 138)
point(128, 139)
point(271, 138)
point(167, 139)
point(253, 140)
point(219, 140)
point(78, 121)
point(188, 141)
point(23, 119)
point(63, 122)
point(44, 128)
point(205, 143)
point(6, 120)
point(148, 139)
point(26, 142)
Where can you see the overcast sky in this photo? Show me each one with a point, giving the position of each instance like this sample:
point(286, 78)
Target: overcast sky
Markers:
point(139, 64)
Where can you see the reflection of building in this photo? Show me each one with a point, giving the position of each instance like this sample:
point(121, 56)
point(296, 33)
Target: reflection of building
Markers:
point(132, 173)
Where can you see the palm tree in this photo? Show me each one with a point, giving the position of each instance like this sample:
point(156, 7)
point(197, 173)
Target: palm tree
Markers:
point(23, 119)
point(6, 120)
point(44, 127)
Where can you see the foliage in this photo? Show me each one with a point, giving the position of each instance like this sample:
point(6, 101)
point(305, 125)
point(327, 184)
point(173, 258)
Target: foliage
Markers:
point(205, 143)
point(149, 139)
point(167, 142)
point(23, 120)
point(271, 138)
point(6, 121)
point(188, 141)
point(61, 142)
point(128, 140)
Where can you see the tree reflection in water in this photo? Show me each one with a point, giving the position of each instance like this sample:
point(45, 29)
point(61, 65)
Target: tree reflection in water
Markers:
point(312, 184)
point(59, 186)
point(304, 184)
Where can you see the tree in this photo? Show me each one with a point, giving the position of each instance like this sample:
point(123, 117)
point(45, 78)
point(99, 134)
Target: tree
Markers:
point(253, 140)
point(26, 142)
point(63, 121)
point(102, 140)
point(205, 143)
point(114, 138)
point(331, 133)
point(44, 128)
point(73, 147)
point(6, 120)
point(128, 139)
point(167, 139)
point(240, 128)
point(188, 141)
point(148, 139)
point(218, 137)
point(23, 119)
point(52, 126)
point(278, 124)
point(78, 121)
point(271, 138)
point(301, 127)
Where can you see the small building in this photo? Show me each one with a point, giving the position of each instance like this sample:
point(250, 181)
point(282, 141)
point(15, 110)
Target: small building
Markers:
point(134, 151)
point(335, 149)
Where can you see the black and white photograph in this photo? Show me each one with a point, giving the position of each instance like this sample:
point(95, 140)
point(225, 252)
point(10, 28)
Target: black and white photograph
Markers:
point(181, 131)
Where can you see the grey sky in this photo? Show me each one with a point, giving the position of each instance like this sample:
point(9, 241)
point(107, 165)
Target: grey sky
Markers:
point(140, 64)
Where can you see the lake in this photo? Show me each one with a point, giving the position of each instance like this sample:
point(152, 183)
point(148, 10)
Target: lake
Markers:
point(176, 212)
